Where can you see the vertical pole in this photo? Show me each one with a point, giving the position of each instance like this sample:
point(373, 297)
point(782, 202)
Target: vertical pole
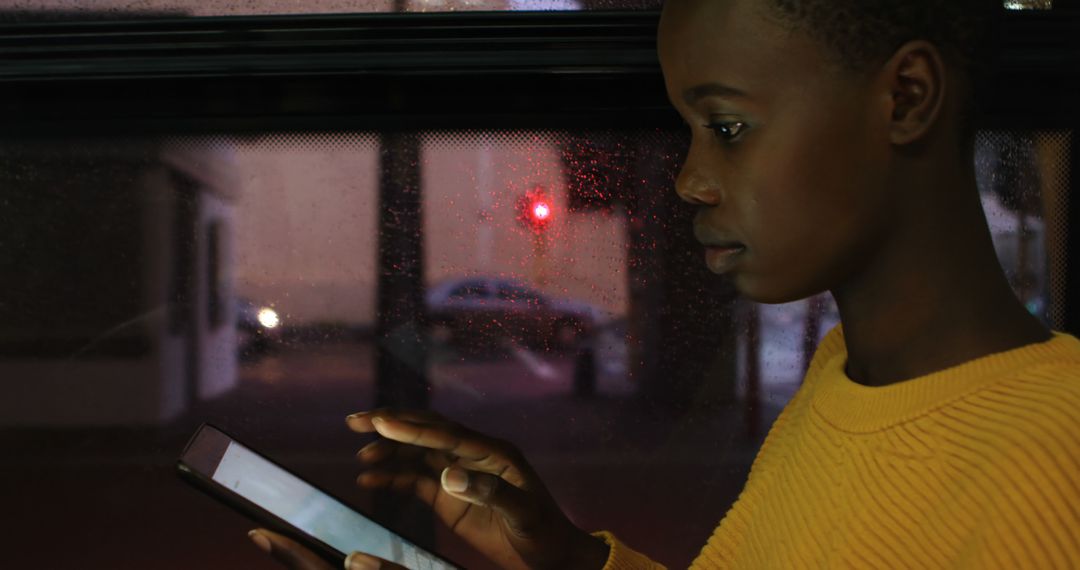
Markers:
point(401, 354)
point(183, 292)
point(753, 371)
point(539, 260)
point(1024, 276)
point(815, 308)
point(1053, 157)
point(485, 233)
point(1072, 264)
point(400, 328)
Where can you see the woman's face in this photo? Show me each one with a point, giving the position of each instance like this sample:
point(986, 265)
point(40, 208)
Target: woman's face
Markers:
point(789, 155)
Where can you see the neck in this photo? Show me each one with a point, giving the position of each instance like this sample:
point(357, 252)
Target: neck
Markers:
point(933, 296)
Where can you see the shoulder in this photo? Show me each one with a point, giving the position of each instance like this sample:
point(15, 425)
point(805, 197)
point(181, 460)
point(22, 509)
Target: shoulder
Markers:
point(1029, 415)
point(1028, 423)
point(1049, 390)
point(1036, 393)
point(1043, 398)
point(1021, 467)
point(1014, 450)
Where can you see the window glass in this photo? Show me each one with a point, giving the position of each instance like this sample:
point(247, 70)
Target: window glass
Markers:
point(84, 300)
point(621, 366)
point(108, 9)
point(23, 10)
point(470, 291)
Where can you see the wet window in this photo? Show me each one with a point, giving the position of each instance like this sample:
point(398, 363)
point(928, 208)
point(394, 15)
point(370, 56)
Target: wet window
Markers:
point(471, 291)
point(131, 252)
point(538, 282)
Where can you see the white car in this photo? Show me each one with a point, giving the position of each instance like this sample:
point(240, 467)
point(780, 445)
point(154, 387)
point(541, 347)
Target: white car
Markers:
point(478, 311)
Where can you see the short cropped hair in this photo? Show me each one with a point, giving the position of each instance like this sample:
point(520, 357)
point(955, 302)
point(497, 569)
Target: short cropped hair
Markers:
point(861, 33)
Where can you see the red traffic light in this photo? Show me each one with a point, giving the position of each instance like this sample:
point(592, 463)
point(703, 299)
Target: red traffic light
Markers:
point(541, 211)
point(535, 209)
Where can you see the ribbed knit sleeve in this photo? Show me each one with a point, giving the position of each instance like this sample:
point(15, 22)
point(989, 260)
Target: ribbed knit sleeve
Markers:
point(622, 557)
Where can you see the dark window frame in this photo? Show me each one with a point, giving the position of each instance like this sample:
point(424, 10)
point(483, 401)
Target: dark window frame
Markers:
point(408, 72)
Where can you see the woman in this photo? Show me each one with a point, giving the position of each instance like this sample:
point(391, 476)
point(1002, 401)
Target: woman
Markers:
point(832, 151)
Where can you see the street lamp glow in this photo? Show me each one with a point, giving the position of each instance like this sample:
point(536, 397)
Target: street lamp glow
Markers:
point(541, 211)
point(1029, 4)
point(269, 318)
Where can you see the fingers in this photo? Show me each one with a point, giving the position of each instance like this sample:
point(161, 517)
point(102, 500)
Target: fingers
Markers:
point(287, 551)
point(484, 489)
point(382, 449)
point(361, 422)
point(292, 555)
point(386, 451)
point(492, 491)
point(474, 469)
point(450, 439)
point(361, 561)
point(421, 429)
point(425, 488)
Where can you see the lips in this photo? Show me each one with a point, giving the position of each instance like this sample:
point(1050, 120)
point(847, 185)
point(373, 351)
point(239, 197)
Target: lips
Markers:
point(722, 258)
point(722, 250)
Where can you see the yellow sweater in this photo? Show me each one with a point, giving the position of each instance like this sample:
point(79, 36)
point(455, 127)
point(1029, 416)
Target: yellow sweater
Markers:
point(976, 466)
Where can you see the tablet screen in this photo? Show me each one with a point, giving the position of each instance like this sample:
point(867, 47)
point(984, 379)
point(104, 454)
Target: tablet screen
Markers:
point(314, 512)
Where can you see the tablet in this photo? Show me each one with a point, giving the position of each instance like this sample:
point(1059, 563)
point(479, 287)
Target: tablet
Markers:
point(244, 479)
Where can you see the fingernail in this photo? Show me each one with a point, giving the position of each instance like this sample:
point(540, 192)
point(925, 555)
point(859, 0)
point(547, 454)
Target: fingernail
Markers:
point(455, 480)
point(356, 415)
point(361, 561)
point(367, 449)
point(260, 540)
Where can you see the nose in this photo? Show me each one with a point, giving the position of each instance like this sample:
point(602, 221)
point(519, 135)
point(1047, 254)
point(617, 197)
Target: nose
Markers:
point(694, 185)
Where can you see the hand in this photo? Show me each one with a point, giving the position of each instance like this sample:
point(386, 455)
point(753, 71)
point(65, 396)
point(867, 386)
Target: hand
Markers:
point(482, 488)
point(291, 555)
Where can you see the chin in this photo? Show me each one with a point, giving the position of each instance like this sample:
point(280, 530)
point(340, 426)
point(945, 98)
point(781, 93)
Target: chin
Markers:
point(758, 290)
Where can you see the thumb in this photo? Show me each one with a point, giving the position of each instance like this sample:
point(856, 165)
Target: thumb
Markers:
point(490, 491)
point(287, 551)
point(361, 561)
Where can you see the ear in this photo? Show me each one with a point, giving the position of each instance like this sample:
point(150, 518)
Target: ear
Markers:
point(915, 77)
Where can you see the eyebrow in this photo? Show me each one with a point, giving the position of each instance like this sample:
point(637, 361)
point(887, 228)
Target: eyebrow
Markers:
point(710, 89)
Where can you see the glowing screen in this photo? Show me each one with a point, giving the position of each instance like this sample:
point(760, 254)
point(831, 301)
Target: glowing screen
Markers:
point(314, 512)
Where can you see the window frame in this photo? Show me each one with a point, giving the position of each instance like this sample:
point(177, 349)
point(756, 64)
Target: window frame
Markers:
point(409, 72)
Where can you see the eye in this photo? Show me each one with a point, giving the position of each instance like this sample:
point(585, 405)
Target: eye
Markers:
point(729, 131)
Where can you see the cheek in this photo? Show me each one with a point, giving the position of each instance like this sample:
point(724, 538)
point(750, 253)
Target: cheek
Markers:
point(794, 192)
point(807, 204)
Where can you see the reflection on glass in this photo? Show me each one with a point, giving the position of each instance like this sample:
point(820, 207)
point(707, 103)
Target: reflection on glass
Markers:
point(562, 304)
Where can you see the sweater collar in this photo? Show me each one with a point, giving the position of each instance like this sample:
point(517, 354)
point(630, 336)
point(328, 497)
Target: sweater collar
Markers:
point(853, 407)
